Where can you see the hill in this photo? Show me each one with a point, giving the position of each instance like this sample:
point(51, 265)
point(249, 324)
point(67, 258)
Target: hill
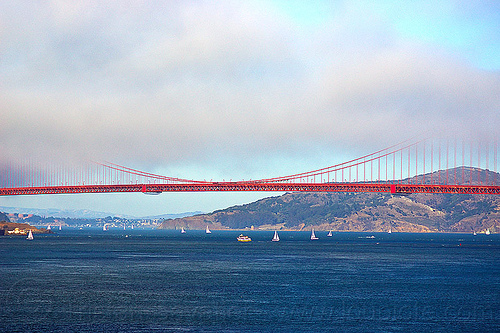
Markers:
point(363, 211)
point(4, 217)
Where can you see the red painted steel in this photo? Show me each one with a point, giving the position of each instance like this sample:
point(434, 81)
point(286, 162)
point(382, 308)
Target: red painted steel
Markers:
point(256, 186)
point(33, 178)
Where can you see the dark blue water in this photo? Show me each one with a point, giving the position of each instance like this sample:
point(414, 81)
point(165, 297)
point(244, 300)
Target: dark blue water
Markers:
point(163, 281)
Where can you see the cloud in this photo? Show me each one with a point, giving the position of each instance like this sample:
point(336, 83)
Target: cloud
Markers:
point(404, 90)
point(181, 83)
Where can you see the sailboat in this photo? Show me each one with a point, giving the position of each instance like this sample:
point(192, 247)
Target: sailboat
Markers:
point(276, 238)
point(48, 227)
point(104, 228)
point(183, 231)
point(207, 231)
point(390, 231)
point(30, 235)
point(313, 236)
point(488, 231)
point(474, 233)
point(329, 234)
point(60, 227)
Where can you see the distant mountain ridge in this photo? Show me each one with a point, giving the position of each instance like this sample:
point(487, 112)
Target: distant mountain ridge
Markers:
point(63, 213)
point(171, 216)
point(365, 211)
point(85, 213)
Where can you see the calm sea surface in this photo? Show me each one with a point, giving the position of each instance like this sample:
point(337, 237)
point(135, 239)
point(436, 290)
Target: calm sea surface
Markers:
point(163, 281)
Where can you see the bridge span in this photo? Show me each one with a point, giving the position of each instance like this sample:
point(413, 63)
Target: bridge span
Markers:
point(419, 167)
point(400, 189)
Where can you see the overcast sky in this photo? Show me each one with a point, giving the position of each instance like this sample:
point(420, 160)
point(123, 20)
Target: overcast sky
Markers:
point(237, 89)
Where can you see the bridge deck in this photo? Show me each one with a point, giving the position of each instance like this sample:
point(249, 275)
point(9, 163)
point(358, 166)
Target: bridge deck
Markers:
point(255, 186)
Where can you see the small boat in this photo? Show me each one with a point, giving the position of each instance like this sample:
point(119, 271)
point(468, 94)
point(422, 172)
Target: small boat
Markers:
point(30, 235)
point(48, 227)
point(60, 227)
point(183, 231)
point(207, 231)
point(329, 234)
point(242, 238)
point(313, 236)
point(474, 233)
point(390, 231)
point(276, 238)
point(104, 228)
point(488, 231)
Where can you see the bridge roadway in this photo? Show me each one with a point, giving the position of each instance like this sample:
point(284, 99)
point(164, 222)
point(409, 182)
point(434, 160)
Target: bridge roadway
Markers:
point(255, 186)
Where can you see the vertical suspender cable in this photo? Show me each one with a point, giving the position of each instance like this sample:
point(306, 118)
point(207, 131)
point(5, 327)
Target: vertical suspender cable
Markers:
point(409, 165)
point(423, 177)
point(479, 162)
point(439, 163)
point(455, 163)
point(487, 161)
point(416, 164)
point(495, 162)
point(432, 160)
point(447, 159)
point(401, 155)
point(470, 157)
point(463, 161)
point(378, 160)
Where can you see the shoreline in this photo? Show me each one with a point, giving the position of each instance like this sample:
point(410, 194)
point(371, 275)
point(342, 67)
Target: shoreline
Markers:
point(20, 229)
point(338, 231)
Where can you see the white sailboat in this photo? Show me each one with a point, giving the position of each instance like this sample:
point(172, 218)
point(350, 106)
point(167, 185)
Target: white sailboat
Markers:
point(207, 231)
point(390, 231)
point(488, 231)
point(276, 238)
point(30, 235)
point(183, 231)
point(313, 236)
point(329, 234)
point(48, 227)
point(474, 233)
point(104, 228)
point(60, 227)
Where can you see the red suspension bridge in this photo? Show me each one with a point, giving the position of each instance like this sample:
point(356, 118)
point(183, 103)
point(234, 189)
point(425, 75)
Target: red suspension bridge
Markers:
point(428, 166)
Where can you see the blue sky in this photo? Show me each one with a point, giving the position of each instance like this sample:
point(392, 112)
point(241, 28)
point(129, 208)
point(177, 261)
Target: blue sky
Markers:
point(237, 90)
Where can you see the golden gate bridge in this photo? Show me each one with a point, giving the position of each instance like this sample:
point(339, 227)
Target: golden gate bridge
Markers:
point(426, 166)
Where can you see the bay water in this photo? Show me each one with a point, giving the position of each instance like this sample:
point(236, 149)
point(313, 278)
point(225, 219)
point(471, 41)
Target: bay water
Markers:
point(91, 280)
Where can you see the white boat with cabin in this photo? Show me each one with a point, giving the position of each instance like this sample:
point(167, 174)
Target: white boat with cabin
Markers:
point(244, 239)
